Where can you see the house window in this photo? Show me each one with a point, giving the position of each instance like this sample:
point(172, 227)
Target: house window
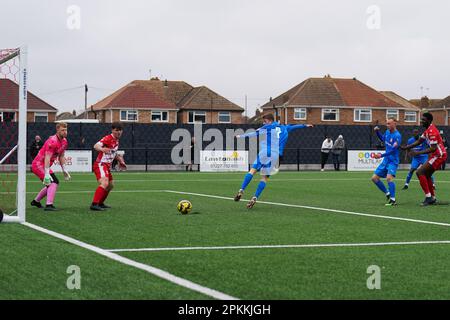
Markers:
point(299, 113)
point(40, 117)
point(392, 113)
point(160, 116)
point(224, 117)
point(330, 114)
point(363, 115)
point(7, 116)
point(410, 116)
point(128, 115)
point(197, 116)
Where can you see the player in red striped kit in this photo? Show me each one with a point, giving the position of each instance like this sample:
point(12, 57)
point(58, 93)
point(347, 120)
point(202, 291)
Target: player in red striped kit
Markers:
point(438, 156)
point(107, 149)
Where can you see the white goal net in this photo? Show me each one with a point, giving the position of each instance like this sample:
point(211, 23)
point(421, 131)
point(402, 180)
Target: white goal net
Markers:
point(13, 127)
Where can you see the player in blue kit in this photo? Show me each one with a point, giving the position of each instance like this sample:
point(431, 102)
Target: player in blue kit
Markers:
point(388, 168)
point(273, 139)
point(418, 160)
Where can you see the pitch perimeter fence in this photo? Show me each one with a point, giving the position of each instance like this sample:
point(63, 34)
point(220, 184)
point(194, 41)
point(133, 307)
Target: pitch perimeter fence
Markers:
point(150, 144)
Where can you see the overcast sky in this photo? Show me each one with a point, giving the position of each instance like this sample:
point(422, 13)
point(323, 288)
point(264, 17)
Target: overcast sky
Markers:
point(258, 48)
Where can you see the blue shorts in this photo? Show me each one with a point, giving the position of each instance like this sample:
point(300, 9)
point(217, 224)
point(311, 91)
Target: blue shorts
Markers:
point(265, 164)
point(386, 167)
point(417, 162)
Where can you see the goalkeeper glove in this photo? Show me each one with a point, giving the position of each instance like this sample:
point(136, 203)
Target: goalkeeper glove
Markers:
point(48, 178)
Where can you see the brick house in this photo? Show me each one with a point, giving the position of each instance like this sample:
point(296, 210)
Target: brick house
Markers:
point(156, 101)
point(38, 109)
point(438, 107)
point(340, 101)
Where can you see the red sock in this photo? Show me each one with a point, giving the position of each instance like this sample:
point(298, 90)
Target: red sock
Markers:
point(99, 194)
point(424, 184)
point(105, 195)
point(430, 185)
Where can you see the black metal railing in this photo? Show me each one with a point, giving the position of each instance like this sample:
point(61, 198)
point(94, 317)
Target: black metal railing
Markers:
point(149, 156)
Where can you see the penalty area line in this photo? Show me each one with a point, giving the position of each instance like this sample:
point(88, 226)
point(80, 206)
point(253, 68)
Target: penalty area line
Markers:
point(285, 246)
point(152, 270)
point(318, 209)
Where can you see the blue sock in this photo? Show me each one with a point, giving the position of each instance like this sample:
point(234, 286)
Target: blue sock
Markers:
point(248, 177)
point(392, 189)
point(432, 179)
point(381, 186)
point(408, 177)
point(260, 188)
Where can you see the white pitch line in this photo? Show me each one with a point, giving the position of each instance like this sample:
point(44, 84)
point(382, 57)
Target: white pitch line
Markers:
point(155, 271)
point(287, 246)
point(93, 191)
point(219, 180)
point(318, 209)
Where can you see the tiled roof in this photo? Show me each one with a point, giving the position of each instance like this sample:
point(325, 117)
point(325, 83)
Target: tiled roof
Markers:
point(9, 98)
point(170, 91)
point(203, 98)
point(134, 96)
point(147, 94)
point(334, 92)
point(399, 99)
point(441, 103)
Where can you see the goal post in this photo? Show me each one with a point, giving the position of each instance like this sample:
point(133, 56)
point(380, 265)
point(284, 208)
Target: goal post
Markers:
point(13, 67)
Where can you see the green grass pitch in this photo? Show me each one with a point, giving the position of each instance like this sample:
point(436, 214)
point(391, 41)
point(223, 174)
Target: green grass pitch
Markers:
point(33, 264)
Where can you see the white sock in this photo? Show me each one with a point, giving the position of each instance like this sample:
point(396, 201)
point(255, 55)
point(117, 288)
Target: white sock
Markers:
point(428, 195)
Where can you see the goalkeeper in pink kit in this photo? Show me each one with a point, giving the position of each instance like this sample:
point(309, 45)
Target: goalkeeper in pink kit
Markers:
point(53, 149)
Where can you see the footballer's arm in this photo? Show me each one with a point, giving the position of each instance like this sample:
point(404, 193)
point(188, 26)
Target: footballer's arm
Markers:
point(121, 161)
point(99, 148)
point(415, 144)
point(62, 162)
point(431, 149)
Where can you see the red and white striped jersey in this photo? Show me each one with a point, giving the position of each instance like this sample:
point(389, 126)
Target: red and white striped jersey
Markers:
point(433, 137)
point(108, 142)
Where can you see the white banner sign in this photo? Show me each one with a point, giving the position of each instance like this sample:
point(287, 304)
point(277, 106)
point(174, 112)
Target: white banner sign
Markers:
point(76, 161)
point(223, 161)
point(363, 160)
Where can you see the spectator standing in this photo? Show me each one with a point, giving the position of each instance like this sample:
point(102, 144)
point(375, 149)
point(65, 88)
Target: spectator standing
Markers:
point(327, 145)
point(338, 146)
point(35, 147)
point(192, 147)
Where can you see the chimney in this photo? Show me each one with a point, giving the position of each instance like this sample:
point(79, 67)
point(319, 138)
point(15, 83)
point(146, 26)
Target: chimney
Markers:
point(424, 102)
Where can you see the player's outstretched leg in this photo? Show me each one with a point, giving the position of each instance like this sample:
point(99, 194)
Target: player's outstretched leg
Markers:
point(105, 195)
point(41, 195)
point(247, 179)
point(51, 194)
point(424, 173)
point(408, 179)
point(380, 185)
point(391, 184)
point(100, 194)
point(261, 186)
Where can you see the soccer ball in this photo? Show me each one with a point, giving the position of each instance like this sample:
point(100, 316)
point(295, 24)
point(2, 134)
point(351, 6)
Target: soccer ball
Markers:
point(184, 206)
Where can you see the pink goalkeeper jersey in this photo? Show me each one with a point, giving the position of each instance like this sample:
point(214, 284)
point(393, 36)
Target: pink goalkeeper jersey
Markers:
point(53, 145)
